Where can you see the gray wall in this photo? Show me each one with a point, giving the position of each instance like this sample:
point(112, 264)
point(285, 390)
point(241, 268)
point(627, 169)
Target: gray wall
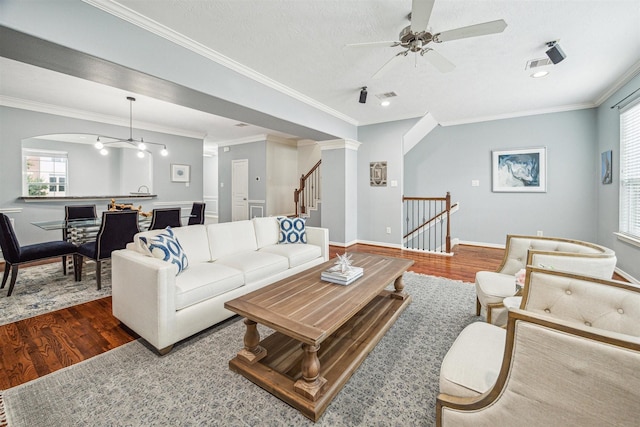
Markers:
point(449, 158)
point(17, 124)
point(381, 207)
point(256, 153)
point(608, 195)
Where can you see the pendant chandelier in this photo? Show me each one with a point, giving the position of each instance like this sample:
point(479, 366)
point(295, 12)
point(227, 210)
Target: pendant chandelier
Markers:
point(140, 144)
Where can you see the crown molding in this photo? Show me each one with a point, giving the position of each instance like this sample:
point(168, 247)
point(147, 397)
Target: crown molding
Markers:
point(339, 144)
point(559, 109)
point(57, 110)
point(258, 138)
point(306, 142)
point(165, 32)
point(617, 85)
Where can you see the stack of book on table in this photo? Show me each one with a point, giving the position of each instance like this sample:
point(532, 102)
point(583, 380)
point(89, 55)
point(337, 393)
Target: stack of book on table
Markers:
point(335, 275)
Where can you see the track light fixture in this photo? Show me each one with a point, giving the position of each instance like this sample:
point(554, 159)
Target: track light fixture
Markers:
point(363, 95)
point(554, 53)
point(140, 144)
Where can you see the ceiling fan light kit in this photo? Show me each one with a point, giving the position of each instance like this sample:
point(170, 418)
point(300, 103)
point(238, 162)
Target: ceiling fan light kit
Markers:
point(416, 38)
point(140, 144)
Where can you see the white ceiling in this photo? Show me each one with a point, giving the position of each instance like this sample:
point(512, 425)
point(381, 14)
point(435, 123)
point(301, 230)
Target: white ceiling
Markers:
point(300, 44)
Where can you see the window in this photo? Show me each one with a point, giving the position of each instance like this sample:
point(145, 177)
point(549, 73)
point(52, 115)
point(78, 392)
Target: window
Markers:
point(44, 172)
point(630, 170)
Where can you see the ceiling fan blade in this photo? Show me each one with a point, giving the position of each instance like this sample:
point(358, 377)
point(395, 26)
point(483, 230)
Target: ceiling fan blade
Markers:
point(491, 27)
point(388, 65)
point(368, 44)
point(440, 62)
point(420, 14)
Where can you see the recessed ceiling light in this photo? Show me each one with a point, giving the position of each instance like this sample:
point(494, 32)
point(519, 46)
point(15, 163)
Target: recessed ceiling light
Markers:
point(539, 74)
point(385, 103)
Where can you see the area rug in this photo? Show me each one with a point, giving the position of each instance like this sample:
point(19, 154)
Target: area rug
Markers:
point(397, 384)
point(43, 288)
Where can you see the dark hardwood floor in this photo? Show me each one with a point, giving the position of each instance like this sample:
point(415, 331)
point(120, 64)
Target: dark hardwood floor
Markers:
point(34, 347)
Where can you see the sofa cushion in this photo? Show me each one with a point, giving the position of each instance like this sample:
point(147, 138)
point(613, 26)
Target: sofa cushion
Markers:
point(267, 231)
point(205, 280)
point(297, 254)
point(492, 287)
point(165, 246)
point(230, 238)
point(472, 364)
point(193, 239)
point(292, 230)
point(256, 265)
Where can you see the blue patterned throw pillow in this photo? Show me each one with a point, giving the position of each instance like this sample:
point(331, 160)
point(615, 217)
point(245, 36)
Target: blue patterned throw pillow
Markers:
point(165, 246)
point(292, 230)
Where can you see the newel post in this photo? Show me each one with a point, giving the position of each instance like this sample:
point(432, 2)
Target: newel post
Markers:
point(448, 202)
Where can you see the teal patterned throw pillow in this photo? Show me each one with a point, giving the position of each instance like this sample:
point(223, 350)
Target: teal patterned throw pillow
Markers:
point(165, 246)
point(292, 230)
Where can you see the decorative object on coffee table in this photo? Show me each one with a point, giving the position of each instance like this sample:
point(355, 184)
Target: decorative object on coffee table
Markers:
point(342, 273)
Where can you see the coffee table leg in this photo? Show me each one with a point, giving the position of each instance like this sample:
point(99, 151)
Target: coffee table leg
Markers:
point(399, 289)
point(311, 383)
point(252, 351)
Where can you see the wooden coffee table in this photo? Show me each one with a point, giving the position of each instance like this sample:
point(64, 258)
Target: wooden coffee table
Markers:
point(323, 330)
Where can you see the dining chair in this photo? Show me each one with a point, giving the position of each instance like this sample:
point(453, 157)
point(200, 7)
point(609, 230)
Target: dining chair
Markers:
point(116, 230)
point(72, 212)
point(14, 254)
point(197, 214)
point(165, 217)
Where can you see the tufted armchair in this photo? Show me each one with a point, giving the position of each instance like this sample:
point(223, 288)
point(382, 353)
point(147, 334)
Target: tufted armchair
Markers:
point(569, 356)
point(551, 252)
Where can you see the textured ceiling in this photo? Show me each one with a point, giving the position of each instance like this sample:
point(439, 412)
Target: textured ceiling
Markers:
point(300, 44)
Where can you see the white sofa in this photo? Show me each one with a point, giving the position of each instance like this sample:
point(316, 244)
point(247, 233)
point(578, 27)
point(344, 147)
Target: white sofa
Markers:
point(226, 260)
point(551, 252)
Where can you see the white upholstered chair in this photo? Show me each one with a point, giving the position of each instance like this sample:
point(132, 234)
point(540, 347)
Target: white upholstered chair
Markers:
point(575, 256)
point(570, 355)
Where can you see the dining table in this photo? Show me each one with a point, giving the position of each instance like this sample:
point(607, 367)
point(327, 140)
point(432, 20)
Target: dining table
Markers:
point(85, 230)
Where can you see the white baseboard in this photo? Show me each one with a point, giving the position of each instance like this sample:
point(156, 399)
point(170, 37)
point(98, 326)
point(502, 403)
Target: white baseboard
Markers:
point(486, 245)
point(343, 245)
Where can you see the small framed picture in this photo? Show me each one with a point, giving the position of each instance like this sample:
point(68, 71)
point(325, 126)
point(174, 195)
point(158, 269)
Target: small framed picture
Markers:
point(522, 170)
point(180, 173)
point(378, 174)
point(606, 171)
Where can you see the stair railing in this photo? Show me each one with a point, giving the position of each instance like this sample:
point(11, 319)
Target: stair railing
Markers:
point(308, 194)
point(427, 223)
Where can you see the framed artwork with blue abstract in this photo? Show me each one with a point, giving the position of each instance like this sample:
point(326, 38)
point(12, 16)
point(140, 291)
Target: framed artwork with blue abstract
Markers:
point(606, 171)
point(521, 170)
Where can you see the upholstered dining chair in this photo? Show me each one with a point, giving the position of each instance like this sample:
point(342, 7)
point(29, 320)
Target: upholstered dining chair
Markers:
point(197, 214)
point(72, 212)
point(165, 217)
point(14, 254)
point(116, 230)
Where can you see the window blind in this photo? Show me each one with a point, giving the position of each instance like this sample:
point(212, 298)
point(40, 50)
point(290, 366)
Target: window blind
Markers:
point(630, 170)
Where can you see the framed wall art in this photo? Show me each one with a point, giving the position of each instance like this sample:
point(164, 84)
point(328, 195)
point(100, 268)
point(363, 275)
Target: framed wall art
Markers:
point(606, 170)
point(180, 173)
point(521, 170)
point(378, 174)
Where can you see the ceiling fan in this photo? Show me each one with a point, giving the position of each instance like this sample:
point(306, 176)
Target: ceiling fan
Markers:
point(415, 37)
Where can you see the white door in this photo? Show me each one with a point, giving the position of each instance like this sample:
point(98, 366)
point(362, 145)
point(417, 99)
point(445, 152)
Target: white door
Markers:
point(239, 190)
